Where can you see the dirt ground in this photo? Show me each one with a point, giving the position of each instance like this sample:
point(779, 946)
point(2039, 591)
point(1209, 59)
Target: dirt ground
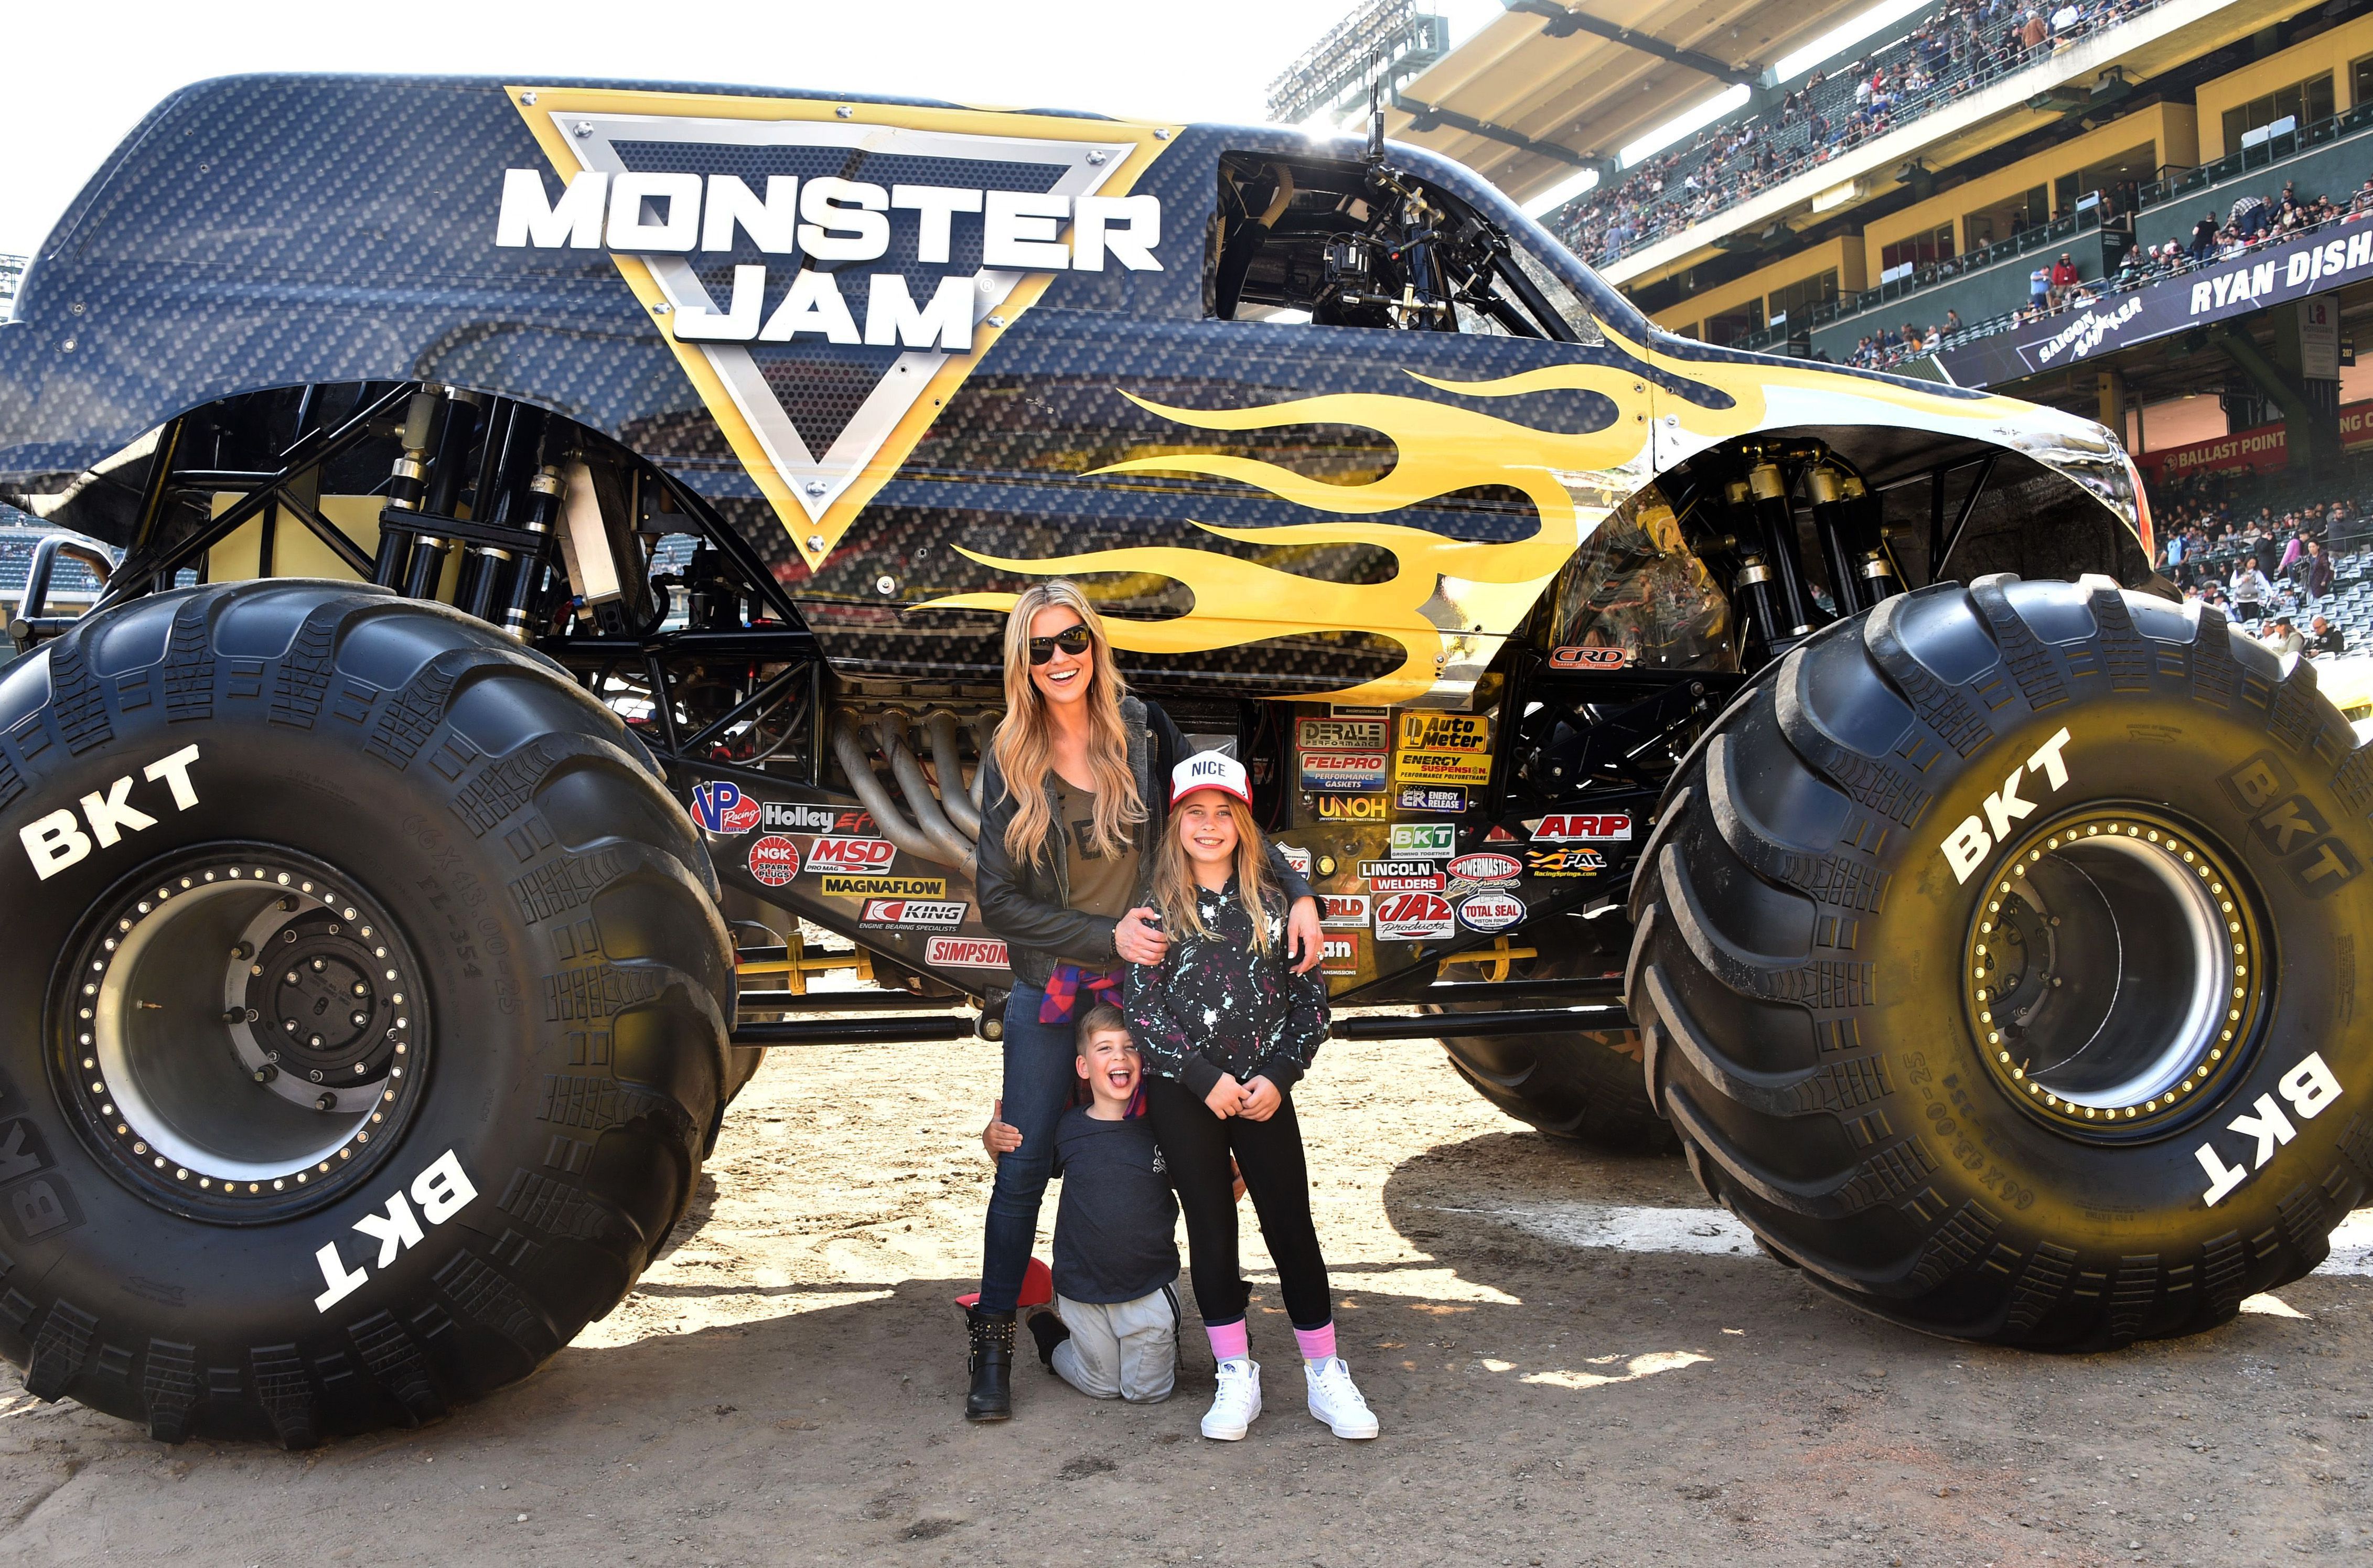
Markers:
point(1574, 1360)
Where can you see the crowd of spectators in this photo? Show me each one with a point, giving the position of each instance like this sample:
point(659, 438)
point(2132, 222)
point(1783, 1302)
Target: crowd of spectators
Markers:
point(1962, 47)
point(2269, 567)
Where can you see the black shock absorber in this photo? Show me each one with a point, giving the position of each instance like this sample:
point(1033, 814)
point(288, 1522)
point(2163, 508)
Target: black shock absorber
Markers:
point(1779, 529)
point(445, 477)
point(1879, 577)
point(513, 433)
point(1753, 583)
point(406, 484)
point(1826, 486)
point(544, 493)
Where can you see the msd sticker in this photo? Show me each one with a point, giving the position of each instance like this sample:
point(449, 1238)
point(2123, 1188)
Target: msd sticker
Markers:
point(774, 861)
point(1601, 827)
point(719, 807)
point(945, 913)
point(965, 952)
point(1489, 912)
point(1414, 917)
point(852, 854)
point(1424, 840)
point(1343, 909)
point(1344, 773)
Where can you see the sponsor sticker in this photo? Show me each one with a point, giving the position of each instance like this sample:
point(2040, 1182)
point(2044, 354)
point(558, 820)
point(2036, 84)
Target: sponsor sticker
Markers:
point(1423, 841)
point(1442, 768)
point(437, 1193)
point(1437, 798)
point(1414, 917)
point(1487, 866)
point(719, 807)
point(1357, 710)
point(913, 912)
point(1344, 773)
point(797, 816)
point(1445, 732)
point(774, 861)
point(57, 841)
point(1403, 876)
point(1340, 954)
point(1589, 658)
point(1343, 909)
point(1489, 912)
point(1563, 863)
point(965, 952)
point(1339, 734)
point(1353, 808)
point(1296, 856)
point(1599, 828)
point(839, 884)
point(852, 854)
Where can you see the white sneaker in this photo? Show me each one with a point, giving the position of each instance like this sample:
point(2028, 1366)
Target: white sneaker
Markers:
point(1237, 1402)
point(1334, 1399)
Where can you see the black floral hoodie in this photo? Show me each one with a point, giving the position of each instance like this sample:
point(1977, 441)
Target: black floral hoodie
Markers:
point(1217, 1005)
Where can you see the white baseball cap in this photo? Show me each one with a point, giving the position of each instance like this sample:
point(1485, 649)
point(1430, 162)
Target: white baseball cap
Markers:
point(1210, 770)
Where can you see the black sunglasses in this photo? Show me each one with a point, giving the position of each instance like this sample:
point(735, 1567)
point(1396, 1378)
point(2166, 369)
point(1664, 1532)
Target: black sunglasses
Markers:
point(1072, 639)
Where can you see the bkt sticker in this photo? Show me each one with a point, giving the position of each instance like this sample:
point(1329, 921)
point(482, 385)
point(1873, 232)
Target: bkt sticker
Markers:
point(2289, 826)
point(2309, 1087)
point(1967, 847)
point(719, 807)
point(57, 841)
point(442, 1191)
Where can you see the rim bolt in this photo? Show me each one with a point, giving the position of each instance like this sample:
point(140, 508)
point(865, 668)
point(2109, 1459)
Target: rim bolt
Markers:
point(359, 1019)
point(266, 1073)
point(326, 1103)
point(242, 952)
point(333, 928)
point(316, 1076)
point(314, 1041)
point(253, 1015)
point(360, 989)
point(291, 979)
point(320, 965)
point(234, 1015)
point(288, 902)
point(288, 1026)
point(288, 936)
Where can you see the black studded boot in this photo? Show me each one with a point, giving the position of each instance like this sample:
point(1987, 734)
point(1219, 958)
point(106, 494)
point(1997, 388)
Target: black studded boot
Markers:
point(992, 1365)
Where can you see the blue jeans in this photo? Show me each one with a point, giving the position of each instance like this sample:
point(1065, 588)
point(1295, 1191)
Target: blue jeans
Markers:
point(1038, 1078)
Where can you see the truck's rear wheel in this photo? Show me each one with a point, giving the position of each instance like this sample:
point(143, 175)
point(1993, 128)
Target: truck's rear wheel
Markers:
point(364, 1016)
point(1997, 963)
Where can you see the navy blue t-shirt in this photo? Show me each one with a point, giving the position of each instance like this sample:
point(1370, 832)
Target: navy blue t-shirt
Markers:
point(1114, 1230)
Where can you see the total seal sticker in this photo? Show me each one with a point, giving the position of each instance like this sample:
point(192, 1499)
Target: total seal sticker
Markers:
point(773, 859)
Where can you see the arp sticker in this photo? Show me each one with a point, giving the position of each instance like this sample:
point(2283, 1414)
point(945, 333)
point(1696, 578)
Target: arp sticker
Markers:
point(1587, 827)
point(1339, 734)
point(837, 884)
point(1343, 909)
point(944, 913)
point(443, 1190)
point(1441, 800)
point(1423, 840)
point(852, 854)
point(1414, 917)
point(1489, 912)
point(2309, 1088)
point(1353, 808)
point(57, 841)
point(1564, 862)
point(1344, 773)
point(1966, 847)
point(1573, 658)
point(1340, 954)
point(965, 952)
point(720, 807)
point(774, 861)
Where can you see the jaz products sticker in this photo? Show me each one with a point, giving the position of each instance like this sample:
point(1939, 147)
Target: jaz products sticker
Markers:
point(1414, 917)
point(1423, 840)
point(1564, 862)
point(1436, 797)
point(1402, 877)
point(1442, 768)
point(965, 952)
point(719, 807)
point(1353, 808)
point(1445, 732)
point(913, 912)
point(1571, 829)
point(1340, 954)
point(852, 854)
point(1344, 773)
point(774, 861)
point(837, 886)
point(1589, 658)
point(1487, 866)
point(1296, 856)
point(1339, 734)
point(1343, 909)
point(1489, 912)
point(799, 816)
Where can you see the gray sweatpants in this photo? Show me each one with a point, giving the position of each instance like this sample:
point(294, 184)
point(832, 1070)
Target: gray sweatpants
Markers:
point(1120, 1349)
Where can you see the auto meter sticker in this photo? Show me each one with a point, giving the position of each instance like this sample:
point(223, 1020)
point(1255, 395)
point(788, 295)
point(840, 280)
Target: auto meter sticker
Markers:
point(1439, 798)
point(965, 952)
point(1339, 734)
point(1589, 658)
point(837, 886)
point(1487, 866)
point(1402, 877)
point(913, 912)
point(1296, 856)
point(852, 854)
point(1601, 827)
point(1353, 808)
point(1414, 917)
point(1343, 909)
point(1442, 768)
point(1344, 773)
point(774, 861)
point(799, 816)
point(723, 808)
point(1424, 840)
point(1445, 732)
point(1340, 954)
point(1489, 912)
point(1563, 863)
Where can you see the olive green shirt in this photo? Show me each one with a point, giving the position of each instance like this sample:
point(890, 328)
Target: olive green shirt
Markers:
point(1100, 885)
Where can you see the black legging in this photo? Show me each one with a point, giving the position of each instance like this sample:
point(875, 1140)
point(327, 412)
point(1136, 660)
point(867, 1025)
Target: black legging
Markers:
point(1197, 1144)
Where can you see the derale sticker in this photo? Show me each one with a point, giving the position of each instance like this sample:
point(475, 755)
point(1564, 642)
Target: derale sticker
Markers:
point(944, 913)
point(1489, 912)
point(1487, 866)
point(719, 807)
point(1589, 658)
point(1563, 863)
point(1599, 827)
point(1423, 840)
point(1343, 909)
point(965, 952)
point(774, 861)
point(1445, 732)
point(1338, 953)
point(1442, 768)
point(1436, 798)
point(1353, 808)
point(1414, 917)
point(1339, 734)
point(1402, 877)
point(852, 854)
point(1344, 773)
point(839, 884)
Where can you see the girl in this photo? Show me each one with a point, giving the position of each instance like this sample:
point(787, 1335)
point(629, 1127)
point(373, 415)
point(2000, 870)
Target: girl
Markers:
point(1226, 1028)
point(1071, 789)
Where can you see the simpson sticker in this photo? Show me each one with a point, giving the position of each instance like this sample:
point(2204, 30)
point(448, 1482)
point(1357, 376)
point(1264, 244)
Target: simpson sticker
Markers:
point(837, 884)
point(1436, 798)
point(1297, 857)
point(1487, 866)
point(913, 912)
point(1966, 847)
point(443, 1190)
point(774, 861)
point(1343, 909)
point(1442, 768)
point(1599, 828)
point(723, 808)
point(1353, 808)
point(965, 952)
point(1344, 773)
point(1402, 877)
point(1339, 734)
point(2309, 1087)
point(1340, 954)
point(1445, 732)
point(1423, 840)
point(1563, 863)
point(1414, 917)
point(1589, 658)
point(57, 841)
point(792, 816)
point(852, 854)
point(1489, 912)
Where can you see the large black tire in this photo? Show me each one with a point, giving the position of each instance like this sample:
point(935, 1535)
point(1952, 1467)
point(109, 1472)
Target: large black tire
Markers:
point(566, 1036)
point(1809, 978)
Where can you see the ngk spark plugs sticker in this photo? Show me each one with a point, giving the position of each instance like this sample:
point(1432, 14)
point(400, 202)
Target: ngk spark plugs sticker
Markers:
point(1589, 658)
point(1442, 768)
point(836, 884)
point(1588, 828)
point(1445, 732)
point(1339, 734)
point(774, 861)
point(793, 816)
point(944, 913)
point(852, 854)
point(1340, 954)
point(1486, 867)
point(1353, 808)
point(57, 841)
point(1563, 863)
point(1966, 847)
point(965, 952)
point(1423, 840)
point(2309, 1087)
point(1414, 917)
point(1343, 909)
point(1489, 912)
point(1344, 773)
point(1438, 799)
point(443, 1190)
point(719, 807)
point(1402, 877)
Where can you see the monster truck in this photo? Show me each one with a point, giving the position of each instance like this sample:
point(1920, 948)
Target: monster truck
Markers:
point(565, 532)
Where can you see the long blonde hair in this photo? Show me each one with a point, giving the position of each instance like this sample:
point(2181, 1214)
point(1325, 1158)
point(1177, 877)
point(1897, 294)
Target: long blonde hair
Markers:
point(1024, 746)
point(1174, 887)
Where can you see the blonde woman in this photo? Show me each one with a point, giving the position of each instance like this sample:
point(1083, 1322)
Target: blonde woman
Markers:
point(1076, 790)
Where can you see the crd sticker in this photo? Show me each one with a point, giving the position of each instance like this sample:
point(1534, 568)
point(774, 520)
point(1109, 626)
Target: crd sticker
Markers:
point(1967, 847)
point(2309, 1087)
point(57, 841)
point(442, 1191)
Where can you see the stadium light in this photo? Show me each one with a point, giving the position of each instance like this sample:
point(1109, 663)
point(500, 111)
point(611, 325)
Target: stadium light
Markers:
point(1844, 36)
point(1565, 191)
point(1673, 130)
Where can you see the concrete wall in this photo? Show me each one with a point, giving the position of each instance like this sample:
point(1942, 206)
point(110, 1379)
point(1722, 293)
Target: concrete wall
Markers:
point(2333, 51)
point(1843, 254)
point(2333, 170)
point(1978, 296)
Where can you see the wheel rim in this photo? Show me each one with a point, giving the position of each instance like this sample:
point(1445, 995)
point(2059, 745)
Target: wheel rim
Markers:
point(243, 1031)
point(2114, 973)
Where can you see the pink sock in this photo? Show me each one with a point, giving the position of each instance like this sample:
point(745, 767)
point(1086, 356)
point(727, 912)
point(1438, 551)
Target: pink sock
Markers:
point(1228, 1341)
point(1317, 1343)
